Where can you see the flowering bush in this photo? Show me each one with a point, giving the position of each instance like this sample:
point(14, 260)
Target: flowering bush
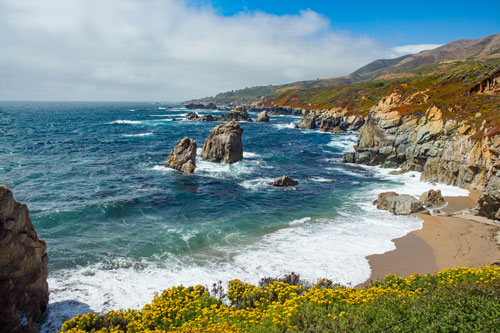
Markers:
point(459, 299)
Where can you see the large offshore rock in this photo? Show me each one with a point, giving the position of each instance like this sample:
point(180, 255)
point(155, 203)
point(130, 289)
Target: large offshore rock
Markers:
point(308, 122)
point(240, 113)
point(398, 204)
point(183, 156)
point(263, 117)
point(284, 181)
point(224, 144)
point(24, 291)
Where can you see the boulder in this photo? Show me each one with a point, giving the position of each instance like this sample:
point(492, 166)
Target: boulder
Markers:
point(207, 117)
point(432, 198)
point(284, 181)
point(263, 117)
point(398, 204)
point(24, 292)
point(192, 115)
point(308, 122)
point(224, 144)
point(240, 113)
point(183, 156)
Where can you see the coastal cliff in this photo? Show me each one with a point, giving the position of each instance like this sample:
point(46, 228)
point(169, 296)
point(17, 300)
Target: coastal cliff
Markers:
point(23, 268)
point(446, 127)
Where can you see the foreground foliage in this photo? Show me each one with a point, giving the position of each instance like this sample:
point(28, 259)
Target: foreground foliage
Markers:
point(459, 299)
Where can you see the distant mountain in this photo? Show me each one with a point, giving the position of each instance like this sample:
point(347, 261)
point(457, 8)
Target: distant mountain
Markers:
point(425, 62)
point(457, 50)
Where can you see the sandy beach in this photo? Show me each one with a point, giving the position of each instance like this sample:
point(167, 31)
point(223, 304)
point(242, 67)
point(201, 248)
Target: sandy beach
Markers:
point(443, 242)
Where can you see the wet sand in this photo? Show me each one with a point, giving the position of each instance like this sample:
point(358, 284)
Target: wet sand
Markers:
point(443, 242)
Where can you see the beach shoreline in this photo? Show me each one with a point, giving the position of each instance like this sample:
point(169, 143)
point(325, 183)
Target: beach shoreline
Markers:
point(444, 241)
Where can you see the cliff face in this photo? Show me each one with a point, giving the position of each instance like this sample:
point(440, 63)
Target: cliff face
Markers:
point(445, 149)
point(23, 268)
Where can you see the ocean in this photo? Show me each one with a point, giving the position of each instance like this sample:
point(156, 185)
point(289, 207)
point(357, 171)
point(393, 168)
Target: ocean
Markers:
point(120, 227)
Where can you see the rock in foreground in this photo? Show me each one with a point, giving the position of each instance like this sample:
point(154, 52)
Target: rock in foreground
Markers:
point(224, 144)
point(284, 181)
point(24, 292)
point(183, 156)
point(398, 204)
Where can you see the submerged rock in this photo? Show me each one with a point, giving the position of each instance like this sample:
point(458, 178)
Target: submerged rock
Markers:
point(183, 156)
point(224, 144)
point(263, 117)
point(308, 122)
point(284, 181)
point(432, 198)
point(398, 204)
point(24, 292)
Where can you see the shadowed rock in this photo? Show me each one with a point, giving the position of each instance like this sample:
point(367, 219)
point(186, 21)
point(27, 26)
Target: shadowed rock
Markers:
point(308, 122)
point(224, 144)
point(284, 181)
point(398, 204)
point(24, 291)
point(183, 156)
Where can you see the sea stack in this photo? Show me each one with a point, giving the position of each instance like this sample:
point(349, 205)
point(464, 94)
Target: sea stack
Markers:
point(24, 292)
point(263, 117)
point(308, 122)
point(224, 144)
point(183, 156)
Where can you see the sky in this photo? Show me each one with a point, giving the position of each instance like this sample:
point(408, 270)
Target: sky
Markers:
point(176, 50)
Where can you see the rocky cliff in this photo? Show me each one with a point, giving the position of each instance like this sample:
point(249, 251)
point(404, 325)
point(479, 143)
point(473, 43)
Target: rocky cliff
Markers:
point(23, 268)
point(446, 128)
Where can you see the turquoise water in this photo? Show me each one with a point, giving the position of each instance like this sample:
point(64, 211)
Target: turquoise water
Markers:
point(120, 226)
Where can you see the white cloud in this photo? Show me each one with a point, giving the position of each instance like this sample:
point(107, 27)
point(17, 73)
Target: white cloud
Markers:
point(163, 50)
point(413, 49)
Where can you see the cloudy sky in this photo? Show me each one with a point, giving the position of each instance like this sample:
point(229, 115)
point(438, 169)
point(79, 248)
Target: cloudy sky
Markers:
point(174, 50)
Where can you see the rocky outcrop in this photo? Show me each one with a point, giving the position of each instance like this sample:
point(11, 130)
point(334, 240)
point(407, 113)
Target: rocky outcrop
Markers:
point(183, 156)
point(23, 268)
point(284, 181)
point(263, 117)
point(432, 198)
point(308, 122)
point(489, 200)
point(201, 106)
point(398, 204)
point(240, 113)
point(224, 144)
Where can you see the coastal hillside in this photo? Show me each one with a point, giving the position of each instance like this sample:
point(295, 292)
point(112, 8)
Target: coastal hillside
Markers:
point(429, 61)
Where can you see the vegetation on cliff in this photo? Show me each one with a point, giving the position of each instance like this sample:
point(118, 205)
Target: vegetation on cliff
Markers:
point(459, 299)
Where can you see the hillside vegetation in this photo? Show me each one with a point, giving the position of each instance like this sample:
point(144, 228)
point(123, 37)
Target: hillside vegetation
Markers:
point(454, 300)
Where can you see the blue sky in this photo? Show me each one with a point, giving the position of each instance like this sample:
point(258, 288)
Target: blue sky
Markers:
point(175, 50)
point(391, 22)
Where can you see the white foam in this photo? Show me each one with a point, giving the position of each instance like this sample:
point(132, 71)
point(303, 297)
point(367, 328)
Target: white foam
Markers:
point(345, 142)
point(222, 170)
point(247, 154)
point(161, 168)
point(138, 135)
point(284, 126)
point(322, 180)
point(161, 108)
point(257, 183)
point(124, 121)
point(170, 115)
point(343, 170)
point(132, 110)
point(300, 221)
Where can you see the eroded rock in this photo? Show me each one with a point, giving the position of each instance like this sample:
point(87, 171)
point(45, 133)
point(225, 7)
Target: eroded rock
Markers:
point(398, 204)
point(263, 117)
point(432, 198)
point(308, 122)
point(284, 181)
point(24, 291)
point(183, 156)
point(224, 144)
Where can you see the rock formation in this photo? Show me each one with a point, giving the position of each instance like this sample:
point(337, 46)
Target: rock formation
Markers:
point(23, 268)
point(224, 144)
point(263, 117)
point(308, 122)
point(432, 198)
point(284, 181)
point(183, 156)
point(398, 204)
point(201, 106)
point(240, 113)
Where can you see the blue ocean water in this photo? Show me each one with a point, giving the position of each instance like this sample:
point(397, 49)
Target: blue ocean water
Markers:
point(120, 226)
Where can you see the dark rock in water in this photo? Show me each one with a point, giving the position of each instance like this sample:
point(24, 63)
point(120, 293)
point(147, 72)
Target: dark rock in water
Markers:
point(240, 113)
point(224, 144)
point(192, 115)
point(263, 117)
point(333, 124)
point(308, 122)
point(207, 117)
point(201, 106)
point(432, 198)
point(284, 181)
point(398, 204)
point(348, 158)
point(24, 292)
point(183, 156)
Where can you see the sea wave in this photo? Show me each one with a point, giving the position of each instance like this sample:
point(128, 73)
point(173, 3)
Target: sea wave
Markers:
point(137, 135)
